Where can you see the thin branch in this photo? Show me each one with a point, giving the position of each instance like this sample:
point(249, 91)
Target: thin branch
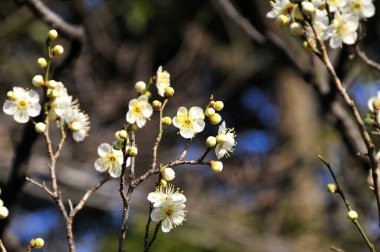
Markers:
point(204, 154)
point(2, 247)
point(235, 16)
point(185, 150)
point(154, 236)
point(41, 185)
point(366, 60)
point(349, 208)
point(335, 249)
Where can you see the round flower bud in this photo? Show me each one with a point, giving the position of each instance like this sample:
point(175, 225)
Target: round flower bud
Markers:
point(166, 120)
point(52, 93)
point(36, 243)
point(282, 20)
point(75, 126)
point(38, 80)
point(332, 188)
point(211, 141)
point(352, 215)
point(163, 183)
point(296, 29)
point(310, 44)
point(218, 105)
point(58, 50)
point(148, 94)
point(168, 174)
point(216, 166)
point(132, 127)
point(11, 95)
point(117, 145)
point(132, 151)
point(215, 118)
point(117, 137)
point(169, 91)
point(51, 84)
point(221, 138)
point(307, 8)
point(123, 134)
point(42, 62)
point(209, 112)
point(40, 127)
point(140, 87)
point(3, 212)
point(52, 34)
point(157, 104)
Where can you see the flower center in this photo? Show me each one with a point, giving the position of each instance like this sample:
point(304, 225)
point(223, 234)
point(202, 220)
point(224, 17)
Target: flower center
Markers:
point(187, 122)
point(169, 211)
point(22, 104)
point(137, 109)
point(112, 158)
point(357, 5)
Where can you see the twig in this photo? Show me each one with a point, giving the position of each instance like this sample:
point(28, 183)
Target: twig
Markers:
point(154, 236)
point(341, 194)
point(204, 154)
point(2, 247)
point(335, 249)
point(184, 152)
point(41, 185)
point(230, 10)
point(366, 60)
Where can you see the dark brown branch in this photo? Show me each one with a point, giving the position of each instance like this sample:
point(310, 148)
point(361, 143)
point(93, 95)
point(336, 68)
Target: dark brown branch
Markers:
point(366, 60)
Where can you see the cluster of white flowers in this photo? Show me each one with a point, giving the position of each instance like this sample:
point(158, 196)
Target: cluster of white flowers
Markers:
point(169, 207)
point(333, 20)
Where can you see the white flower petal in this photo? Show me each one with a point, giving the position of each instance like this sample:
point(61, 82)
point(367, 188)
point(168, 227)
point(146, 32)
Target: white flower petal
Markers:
point(79, 135)
point(198, 125)
point(182, 112)
point(130, 117)
point(9, 107)
point(32, 96)
point(99, 165)
point(368, 10)
point(34, 109)
point(19, 93)
point(115, 170)
point(187, 132)
point(166, 225)
point(21, 116)
point(196, 113)
point(148, 111)
point(156, 215)
point(104, 149)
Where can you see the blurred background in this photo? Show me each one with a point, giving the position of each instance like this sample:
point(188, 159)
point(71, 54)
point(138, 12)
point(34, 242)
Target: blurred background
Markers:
point(271, 195)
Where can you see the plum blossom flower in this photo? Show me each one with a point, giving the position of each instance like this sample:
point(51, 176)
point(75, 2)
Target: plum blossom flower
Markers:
point(335, 5)
point(189, 122)
point(361, 8)
point(168, 206)
point(110, 160)
point(79, 123)
point(139, 111)
point(163, 81)
point(280, 7)
point(225, 141)
point(372, 99)
point(343, 29)
point(22, 104)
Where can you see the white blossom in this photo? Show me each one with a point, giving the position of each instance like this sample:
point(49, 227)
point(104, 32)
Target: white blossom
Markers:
point(163, 81)
point(361, 8)
point(189, 122)
point(343, 29)
point(225, 141)
point(110, 160)
point(139, 111)
point(79, 124)
point(280, 7)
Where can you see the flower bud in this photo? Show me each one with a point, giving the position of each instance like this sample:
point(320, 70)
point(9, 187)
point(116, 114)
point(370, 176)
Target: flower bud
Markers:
point(296, 29)
point(117, 137)
point(132, 151)
point(52, 93)
point(140, 87)
point(215, 118)
point(148, 94)
point(117, 145)
point(163, 183)
point(209, 112)
point(11, 95)
point(218, 105)
point(52, 34)
point(36, 243)
point(376, 104)
point(332, 188)
point(58, 50)
point(168, 174)
point(40, 127)
point(132, 127)
point(310, 44)
point(51, 84)
point(307, 8)
point(157, 104)
point(352, 215)
point(282, 20)
point(216, 166)
point(123, 134)
point(211, 142)
point(42, 62)
point(166, 120)
point(3, 212)
point(169, 91)
point(38, 80)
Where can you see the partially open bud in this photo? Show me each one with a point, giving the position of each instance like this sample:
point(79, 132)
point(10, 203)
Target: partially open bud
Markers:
point(11, 95)
point(3, 212)
point(123, 134)
point(215, 119)
point(38, 80)
point(52, 93)
point(53, 34)
point(51, 84)
point(166, 120)
point(117, 137)
point(132, 151)
point(36, 243)
point(211, 142)
point(216, 166)
point(169, 91)
point(58, 50)
point(352, 215)
point(40, 127)
point(168, 174)
point(42, 62)
point(140, 87)
point(332, 188)
point(157, 104)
